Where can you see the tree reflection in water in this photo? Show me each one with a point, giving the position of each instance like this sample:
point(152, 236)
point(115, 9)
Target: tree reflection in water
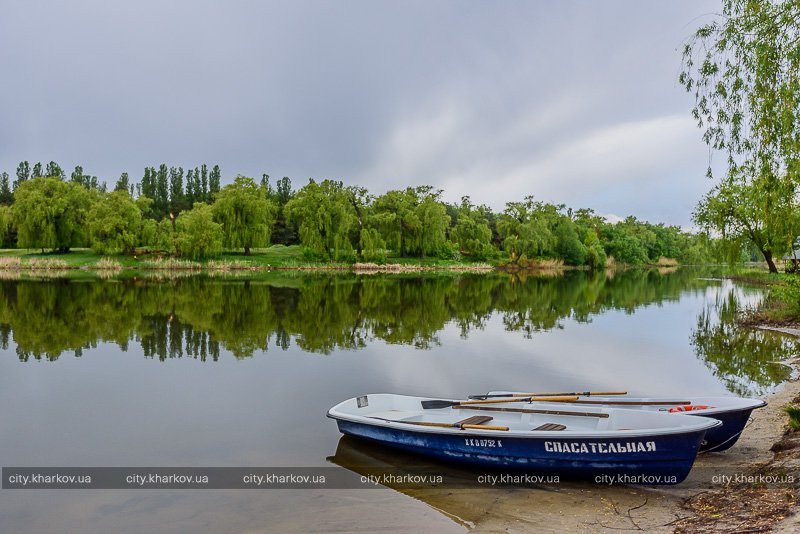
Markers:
point(748, 361)
point(200, 317)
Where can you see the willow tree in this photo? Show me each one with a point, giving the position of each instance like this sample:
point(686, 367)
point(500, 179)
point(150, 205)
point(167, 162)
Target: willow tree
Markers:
point(370, 246)
point(743, 70)
point(430, 238)
point(114, 223)
point(197, 236)
point(525, 229)
point(245, 214)
point(737, 206)
point(395, 219)
point(412, 221)
point(325, 218)
point(50, 213)
point(472, 231)
point(6, 225)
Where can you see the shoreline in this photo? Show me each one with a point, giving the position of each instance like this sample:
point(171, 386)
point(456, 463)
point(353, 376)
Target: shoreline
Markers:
point(276, 258)
point(699, 504)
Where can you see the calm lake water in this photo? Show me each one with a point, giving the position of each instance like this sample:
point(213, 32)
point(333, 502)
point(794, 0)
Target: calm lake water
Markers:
point(203, 371)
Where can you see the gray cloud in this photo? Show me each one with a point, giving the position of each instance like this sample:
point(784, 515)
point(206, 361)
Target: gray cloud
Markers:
point(573, 102)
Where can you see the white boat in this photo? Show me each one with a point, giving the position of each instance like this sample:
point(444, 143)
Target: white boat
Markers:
point(732, 412)
point(646, 447)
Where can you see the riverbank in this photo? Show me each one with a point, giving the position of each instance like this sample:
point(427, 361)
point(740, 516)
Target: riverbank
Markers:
point(760, 493)
point(705, 502)
point(763, 494)
point(277, 257)
point(781, 308)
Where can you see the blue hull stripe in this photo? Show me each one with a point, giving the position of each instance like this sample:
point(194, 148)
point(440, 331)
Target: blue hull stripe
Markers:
point(667, 456)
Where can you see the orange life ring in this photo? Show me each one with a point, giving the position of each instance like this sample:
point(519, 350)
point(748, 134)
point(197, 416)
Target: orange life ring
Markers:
point(689, 408)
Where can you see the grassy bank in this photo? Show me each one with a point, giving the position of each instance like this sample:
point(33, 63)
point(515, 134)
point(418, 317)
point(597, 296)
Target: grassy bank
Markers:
point(782, 305)
point(275, 257)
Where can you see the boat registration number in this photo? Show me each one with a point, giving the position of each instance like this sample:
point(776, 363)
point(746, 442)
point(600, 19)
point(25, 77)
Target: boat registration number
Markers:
point(476, 442)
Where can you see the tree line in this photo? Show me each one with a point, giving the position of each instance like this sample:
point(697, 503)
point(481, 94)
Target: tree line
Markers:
point(190, 214)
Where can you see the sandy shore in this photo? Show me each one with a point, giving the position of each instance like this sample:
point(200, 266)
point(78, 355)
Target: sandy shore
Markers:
point(702, 503)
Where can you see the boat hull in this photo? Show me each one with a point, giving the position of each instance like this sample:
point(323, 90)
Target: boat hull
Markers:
point(659, 459)
point(724, 436)
point(733, 412)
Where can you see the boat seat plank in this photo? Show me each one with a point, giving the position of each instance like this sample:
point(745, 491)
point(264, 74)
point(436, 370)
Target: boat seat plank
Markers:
point(550, 427)
point(474, 420)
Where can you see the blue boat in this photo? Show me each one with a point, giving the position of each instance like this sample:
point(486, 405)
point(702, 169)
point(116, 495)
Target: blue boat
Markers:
point(732, 412)
point(597, 443)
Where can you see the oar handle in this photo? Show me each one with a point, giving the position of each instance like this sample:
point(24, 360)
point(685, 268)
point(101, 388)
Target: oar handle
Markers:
point(485, 427)
point(518, 399)
point(622, 403)
point(525, 410)
point(451, 425)
point(570, 393)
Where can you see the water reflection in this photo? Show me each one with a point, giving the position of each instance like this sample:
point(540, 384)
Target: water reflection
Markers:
point(747, 361)
point(202, 318)
point(416, 477)
point(196, 316)
point(471, 498)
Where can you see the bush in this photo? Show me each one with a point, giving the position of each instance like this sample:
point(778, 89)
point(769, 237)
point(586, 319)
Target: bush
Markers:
point(312, 254)
point(449, 251)
point(789, 293)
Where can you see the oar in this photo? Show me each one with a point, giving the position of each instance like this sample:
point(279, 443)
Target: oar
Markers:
point(435, 404)
point(526, 410)
point(445, 425)
point(619, 403)
point(571, 393)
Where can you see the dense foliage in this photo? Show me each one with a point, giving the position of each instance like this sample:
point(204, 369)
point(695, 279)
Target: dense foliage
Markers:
point(195, 217)
point(245, 214)
point(743, 69)
point(114, 222)
point(197, 235)
point(50, 213)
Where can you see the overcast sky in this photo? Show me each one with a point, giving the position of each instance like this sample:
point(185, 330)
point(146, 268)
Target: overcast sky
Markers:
point(573, 102)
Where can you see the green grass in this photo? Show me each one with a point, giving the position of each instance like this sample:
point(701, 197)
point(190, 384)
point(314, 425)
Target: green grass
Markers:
point(274, 257)
point(794, 417)
point(75, 258)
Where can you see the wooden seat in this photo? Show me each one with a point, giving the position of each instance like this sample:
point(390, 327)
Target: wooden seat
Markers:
point(474, 420)
point(550, 427)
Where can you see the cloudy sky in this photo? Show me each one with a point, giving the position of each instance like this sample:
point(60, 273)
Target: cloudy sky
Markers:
point(574, 102)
